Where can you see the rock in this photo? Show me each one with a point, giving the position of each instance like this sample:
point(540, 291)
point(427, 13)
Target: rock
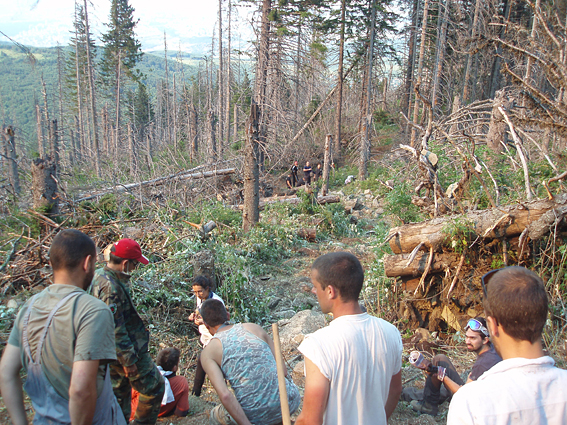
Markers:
point(274, 303)
point(204, 263)
point(301, 324)
point(368, 192)
point(352, 205)
point(353, 219)
point(299, 368)
point(285, 314)
point(12, 304)
point(133, 233)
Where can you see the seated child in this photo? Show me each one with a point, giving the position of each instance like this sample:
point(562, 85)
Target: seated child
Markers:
point(176, 397)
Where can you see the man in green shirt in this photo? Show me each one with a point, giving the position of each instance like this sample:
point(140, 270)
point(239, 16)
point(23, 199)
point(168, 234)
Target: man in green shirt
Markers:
point(64, 339)
point(134, 367)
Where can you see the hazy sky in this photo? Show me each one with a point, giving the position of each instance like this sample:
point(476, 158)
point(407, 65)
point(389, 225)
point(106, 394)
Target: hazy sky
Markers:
point(46, 22)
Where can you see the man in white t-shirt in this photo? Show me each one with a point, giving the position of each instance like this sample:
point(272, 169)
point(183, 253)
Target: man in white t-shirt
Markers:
point(525, 388)
point(353, 366)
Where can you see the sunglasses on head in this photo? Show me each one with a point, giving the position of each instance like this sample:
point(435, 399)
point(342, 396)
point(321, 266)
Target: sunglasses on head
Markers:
point(485, 279)
point(476, 326)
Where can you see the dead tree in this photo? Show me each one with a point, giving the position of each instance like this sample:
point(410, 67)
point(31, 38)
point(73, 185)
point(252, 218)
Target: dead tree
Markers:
point(44, 186)
point(326, 164)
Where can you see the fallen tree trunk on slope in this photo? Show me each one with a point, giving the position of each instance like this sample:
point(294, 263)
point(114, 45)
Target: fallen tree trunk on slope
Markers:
point(508, 221)
point(157, 182)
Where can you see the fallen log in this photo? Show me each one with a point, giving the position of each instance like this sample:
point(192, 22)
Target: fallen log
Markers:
point(157, 182)
point(509, 221)
point(397, 265)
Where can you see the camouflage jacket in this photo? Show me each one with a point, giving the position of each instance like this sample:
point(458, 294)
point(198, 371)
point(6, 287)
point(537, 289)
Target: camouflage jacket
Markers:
point(131, 335)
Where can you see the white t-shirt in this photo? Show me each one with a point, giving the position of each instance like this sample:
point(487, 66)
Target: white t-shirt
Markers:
point(514, 391)
point(205, 334)
point(358, 354)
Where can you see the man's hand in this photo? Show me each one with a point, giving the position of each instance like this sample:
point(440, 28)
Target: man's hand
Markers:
point(130, 370)
point(82, 392)
point(11, 384)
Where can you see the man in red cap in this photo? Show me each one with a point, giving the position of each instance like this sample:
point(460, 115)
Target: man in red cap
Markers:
point(134, 367)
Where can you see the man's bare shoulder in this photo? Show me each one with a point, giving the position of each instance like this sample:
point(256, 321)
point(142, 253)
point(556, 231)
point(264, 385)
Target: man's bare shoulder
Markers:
point(256, 330)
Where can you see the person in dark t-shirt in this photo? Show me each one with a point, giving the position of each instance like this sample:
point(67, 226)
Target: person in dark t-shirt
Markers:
point(289, 181)
point(478, 341)
point(307, 169)
point(294, 178)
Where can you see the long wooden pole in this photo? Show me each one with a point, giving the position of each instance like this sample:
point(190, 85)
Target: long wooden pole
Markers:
point(286, 419)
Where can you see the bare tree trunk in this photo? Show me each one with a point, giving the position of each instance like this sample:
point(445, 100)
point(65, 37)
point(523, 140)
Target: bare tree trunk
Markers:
point(92, 97)
point(46, 112)
point(174, 102)
point(40, 138)
point(166, 94)
point(365, 142)
point(440, 56)
point(61, 129)
point(118, 78)
point(420, 69)
point(339, 108)
point(194, 131)
point(228, 79)
point(262, 79)
point(326, 164)
point(9, 139)
point(411, 59)
point(78, 120)
point(251, 211)
point(495, 74)
point(251, 214)
point(235, 123)
point(131, 151)
point(221, 86)
point(44, 186)
point(212, 139)
point(469, 59)
point(55, 145)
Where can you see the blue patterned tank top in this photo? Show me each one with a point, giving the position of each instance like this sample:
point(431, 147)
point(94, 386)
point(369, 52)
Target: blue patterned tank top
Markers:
point(250, 367)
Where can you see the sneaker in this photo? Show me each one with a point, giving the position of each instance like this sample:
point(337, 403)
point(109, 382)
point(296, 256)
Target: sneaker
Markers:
point(422, 406)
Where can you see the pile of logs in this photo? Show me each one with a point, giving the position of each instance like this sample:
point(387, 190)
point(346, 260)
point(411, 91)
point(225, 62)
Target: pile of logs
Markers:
point(440, 272)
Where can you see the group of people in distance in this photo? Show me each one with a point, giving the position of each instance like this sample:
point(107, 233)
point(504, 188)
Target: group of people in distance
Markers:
point(85, 354)
point(293, 180)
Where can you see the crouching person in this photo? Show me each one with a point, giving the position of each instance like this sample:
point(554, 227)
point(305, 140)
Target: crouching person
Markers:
point(176, 397)
point(244, 355)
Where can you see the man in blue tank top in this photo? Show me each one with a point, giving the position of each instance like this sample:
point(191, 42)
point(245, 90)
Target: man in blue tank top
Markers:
point(244, 355)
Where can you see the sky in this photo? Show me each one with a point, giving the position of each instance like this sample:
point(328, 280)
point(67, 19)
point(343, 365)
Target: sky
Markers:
point(44, 23)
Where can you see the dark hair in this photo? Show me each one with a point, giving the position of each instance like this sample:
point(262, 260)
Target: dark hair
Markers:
point(168, 358)
point(203, 281)
point(213, 312)
point(517, 300)
point(69, 248)
point(341, 270)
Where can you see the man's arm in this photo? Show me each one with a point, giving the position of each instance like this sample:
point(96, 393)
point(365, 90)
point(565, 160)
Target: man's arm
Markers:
point(216, 377)
point(393, 394)
point(316, 395)
point(11, 384)
point(82, 392)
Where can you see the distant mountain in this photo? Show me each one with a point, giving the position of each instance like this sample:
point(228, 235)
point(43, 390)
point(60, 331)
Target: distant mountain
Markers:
point(20, 81)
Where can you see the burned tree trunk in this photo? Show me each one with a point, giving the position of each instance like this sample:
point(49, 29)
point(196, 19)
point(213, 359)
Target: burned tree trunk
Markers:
point(44, 186)
point(251, 211)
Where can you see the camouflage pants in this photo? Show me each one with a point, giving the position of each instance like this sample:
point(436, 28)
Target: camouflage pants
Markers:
point(148, 382)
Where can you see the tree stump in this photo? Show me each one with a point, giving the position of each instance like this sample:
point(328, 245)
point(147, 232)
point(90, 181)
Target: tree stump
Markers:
point(44, 186)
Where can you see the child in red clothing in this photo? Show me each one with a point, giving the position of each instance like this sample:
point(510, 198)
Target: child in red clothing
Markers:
point(168, 363)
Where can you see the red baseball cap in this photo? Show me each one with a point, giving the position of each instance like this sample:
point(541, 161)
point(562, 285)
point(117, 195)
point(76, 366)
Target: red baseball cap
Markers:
point(129, 249)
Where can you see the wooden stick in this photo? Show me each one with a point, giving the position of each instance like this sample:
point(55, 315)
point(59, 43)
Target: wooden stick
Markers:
point(456, 275)
point(286, 419)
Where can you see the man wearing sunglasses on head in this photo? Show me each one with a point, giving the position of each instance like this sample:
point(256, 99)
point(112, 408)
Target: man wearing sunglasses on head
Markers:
point(526, 387)
point(442, 370)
